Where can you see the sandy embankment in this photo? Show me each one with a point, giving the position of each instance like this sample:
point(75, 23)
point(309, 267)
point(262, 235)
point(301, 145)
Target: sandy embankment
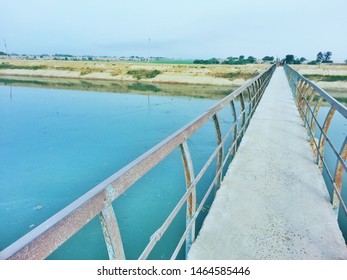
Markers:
point(40, 73)
point(119, 71)
point(221, 76)
point(326, 70)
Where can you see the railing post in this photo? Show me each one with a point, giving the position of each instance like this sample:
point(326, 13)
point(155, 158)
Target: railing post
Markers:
point(252, 100)
point(303, 89)
point(111, 233)
point(259, 95)
point(305, 93)
point(299, 98)
point(47, 237)
point(338, 177)
point(235, 124)
point(243, 110)
point(321, 143)
point(313, 126)
point(220, 152)
point(250, 104)
point(307, 113)
point(191, 200)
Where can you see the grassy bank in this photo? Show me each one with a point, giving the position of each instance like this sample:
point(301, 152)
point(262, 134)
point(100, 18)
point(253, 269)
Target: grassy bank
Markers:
point(223, 75)
point(326, 78)
point(199, 91)
point(28, 67)
point(169, 78)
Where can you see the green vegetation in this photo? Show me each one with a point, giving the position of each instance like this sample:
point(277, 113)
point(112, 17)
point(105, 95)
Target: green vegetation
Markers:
point(2, 53)
point(19, 82)
point(143, 87)
point(169, 61)
point(85, 71)
point(199, 91)
point(312, 62)
point(63, 55)
point(64, 68)
point(115, 72)
point(11, 66)
point(143, 74)
point(241, 60)
point(326, 78)
point(268, 58)
point(291, 59)
point(236, 75)
point(324, 57)
point(208, 61)
point(88, 70)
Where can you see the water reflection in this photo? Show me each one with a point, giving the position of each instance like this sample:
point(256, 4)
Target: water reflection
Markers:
point(200, 91)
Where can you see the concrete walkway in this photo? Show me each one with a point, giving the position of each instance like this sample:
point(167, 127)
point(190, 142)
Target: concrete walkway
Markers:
point(273, 202)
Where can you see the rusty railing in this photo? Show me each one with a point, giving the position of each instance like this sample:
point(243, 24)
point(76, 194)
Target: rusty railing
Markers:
point(51, 234)
point(309, 99)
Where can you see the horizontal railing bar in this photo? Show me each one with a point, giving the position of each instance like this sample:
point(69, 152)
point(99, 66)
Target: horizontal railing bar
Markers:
point(331, 100)
point(337, 154)
point(157, 235)
point(299, 82)
point(198, 210)
point(179, 246)
point(342, 203)
point(330, 176)
point(197, 179)
point(69, 220)
point(48, 236)
point(332, 181)
point(161, 230)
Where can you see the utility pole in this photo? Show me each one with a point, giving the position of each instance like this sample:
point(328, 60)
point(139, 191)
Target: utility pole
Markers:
point(149, 43)
point(8, 55)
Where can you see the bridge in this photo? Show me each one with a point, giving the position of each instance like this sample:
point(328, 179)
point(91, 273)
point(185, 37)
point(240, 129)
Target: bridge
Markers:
point(278, 199)
point(278, 206)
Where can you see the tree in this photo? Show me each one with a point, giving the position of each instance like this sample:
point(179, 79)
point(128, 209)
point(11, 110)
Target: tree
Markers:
point(324, 57)
point(312, 62)
point(302, 59)
point(213, 61)
point(297, 61)
point(241, 60)
point(209, 61)
point(268, 58)
point(289, 59)
point(320, 57)
point(251, 59)
point(327, 56)
point(232, 60)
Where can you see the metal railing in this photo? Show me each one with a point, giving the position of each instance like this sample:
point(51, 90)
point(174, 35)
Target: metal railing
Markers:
point(51, 234)
point(309, 99)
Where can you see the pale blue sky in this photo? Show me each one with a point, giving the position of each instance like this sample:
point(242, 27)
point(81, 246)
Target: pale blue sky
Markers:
point(180, 28)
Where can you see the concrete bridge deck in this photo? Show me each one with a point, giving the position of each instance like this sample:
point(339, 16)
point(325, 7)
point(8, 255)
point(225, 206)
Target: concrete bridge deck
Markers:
point(273, 202)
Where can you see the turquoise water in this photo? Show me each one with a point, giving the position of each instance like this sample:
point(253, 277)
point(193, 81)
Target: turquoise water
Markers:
point(58, 144)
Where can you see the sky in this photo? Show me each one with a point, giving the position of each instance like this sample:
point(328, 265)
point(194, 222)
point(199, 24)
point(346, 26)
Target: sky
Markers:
point(175, 28)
